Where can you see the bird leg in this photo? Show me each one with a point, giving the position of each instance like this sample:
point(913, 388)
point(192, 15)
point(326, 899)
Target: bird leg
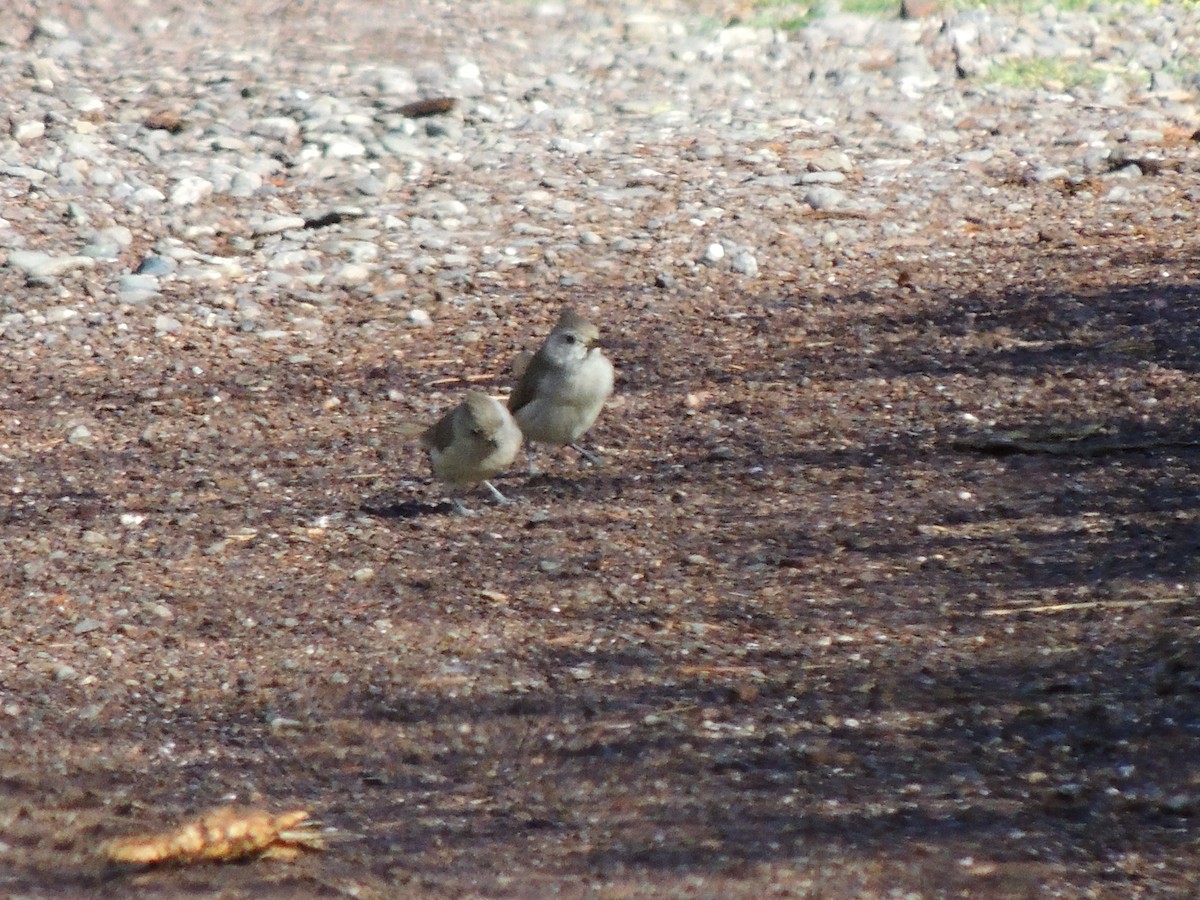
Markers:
point(500, 498)
point(588, 455)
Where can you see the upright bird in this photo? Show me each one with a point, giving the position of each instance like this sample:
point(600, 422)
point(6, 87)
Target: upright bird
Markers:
point(563, 386)
point(471, 443)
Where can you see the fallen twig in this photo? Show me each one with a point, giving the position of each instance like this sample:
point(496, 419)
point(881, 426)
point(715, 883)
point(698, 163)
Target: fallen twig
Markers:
point(1083, 604)
point(455, 379)
point(1085, 440)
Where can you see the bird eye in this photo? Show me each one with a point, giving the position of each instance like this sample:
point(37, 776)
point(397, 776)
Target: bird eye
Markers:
point(569, 338)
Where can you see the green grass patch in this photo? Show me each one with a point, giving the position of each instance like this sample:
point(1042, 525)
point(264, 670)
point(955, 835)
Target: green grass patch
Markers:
point(872, 7)
point(788, 15)
point(771, 11)
point(1043, 72)
point(791, 15)
point(1031, 6)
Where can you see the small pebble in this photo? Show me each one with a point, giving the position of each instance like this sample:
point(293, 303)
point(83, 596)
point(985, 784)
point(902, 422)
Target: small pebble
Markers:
point(713, 254)
point(823, 197)
point(744, 263)
point(276, 224)
point(191, 190)
point(28, 131)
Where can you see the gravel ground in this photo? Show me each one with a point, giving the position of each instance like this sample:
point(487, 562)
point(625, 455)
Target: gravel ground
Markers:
point(887, 587)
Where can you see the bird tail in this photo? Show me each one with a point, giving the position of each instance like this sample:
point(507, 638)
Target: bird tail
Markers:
point(410, 430)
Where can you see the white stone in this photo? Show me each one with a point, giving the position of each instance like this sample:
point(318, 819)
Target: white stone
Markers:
point(28, 131)
point(190, 190)
point(744, 262)
point(342, 147)
point(277, 224)
point(58, 314)
point(280, 128)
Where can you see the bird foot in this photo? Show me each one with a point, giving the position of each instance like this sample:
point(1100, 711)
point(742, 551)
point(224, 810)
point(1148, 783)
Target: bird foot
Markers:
point(591, 457)
point(496, 495)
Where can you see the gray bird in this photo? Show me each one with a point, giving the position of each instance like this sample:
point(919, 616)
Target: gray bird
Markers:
point(563, 386)
point(471, 443)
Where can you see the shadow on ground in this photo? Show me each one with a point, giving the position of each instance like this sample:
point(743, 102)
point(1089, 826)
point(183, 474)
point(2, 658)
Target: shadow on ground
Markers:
point(801, 638)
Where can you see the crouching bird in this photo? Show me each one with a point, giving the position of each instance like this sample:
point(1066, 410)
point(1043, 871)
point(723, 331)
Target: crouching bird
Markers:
point(471, 443)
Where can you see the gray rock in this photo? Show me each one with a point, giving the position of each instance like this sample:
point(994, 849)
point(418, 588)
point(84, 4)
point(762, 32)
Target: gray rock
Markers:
point(649, 28)
point(26, 260)
point(981, 155)
point(190, 190)
point(1044, 173)
point(156, 265)
point(352, 273)
point(54, 29)
point(108, 243)
point(85, 101)
point(1144, 136)
point(245, 184)
point(137, 290)
point(832, 161)
point(28, 131)
point(1163, 82)
point(290, 259)
point(58, 314)
point(403, 146)
point(822, 178)
point(909, 133)
point(1118, 193)
point(744, 263)
point(40, 265)
point(344, 147)
point(277, 224)
point(449, 209)
point(80, 434)
point(26, 173)
point(280, 128)
point(46, 73)
point(823, 197)
point(146, 196)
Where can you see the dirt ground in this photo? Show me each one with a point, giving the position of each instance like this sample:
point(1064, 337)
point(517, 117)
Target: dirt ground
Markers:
point(888, 588)
point(797, 637)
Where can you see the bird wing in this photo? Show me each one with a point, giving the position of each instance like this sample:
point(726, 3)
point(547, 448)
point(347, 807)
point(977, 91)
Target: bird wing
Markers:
point(527, 386)
point(520, 363)
point(440, 434)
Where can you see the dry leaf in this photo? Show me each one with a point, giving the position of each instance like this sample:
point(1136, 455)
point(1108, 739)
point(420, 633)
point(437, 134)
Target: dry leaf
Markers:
point(434, 106)
point(165, 120)
point(223, 835)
